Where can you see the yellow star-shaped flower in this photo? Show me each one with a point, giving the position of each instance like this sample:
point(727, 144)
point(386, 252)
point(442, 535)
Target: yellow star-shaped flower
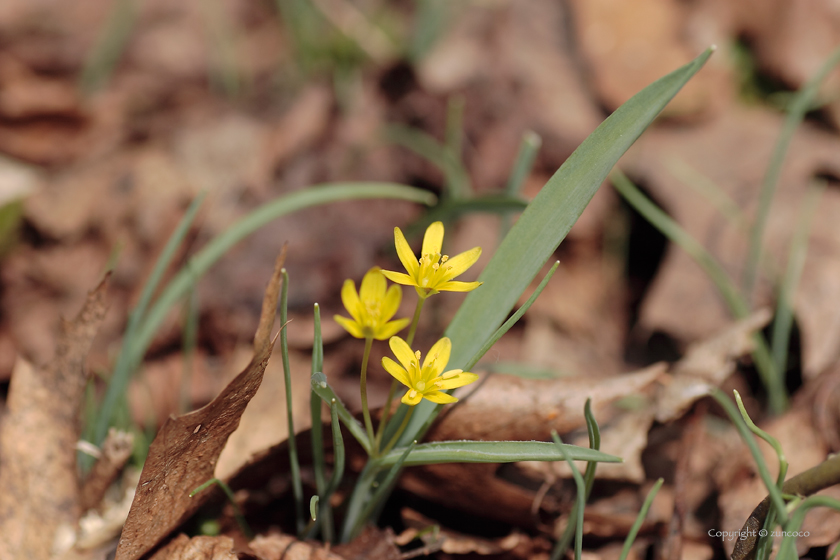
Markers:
point(428, 381)
point(372, 308)
point(433, 272)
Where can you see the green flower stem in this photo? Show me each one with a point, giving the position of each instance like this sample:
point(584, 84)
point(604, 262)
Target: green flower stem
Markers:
point(363, 384)
point(386, 413)
point(415, 320)
point(399, 432)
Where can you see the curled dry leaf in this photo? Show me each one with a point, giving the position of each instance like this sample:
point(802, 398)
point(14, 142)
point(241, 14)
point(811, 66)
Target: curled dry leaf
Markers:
point(39, 490)
point(183, 455)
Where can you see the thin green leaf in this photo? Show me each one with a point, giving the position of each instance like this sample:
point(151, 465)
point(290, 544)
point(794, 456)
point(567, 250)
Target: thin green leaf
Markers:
point(323, 390)
point(528, 148)
point(338, 452)
point(319, 465)
point(588, 478)
point(132, 345)
point(801, 104)
point(783, 320)
point(775, 493)
point(738, 306)
point(294, 461)
point(774, 443)
point(426, 146)
point(634, 530)
point(547, 220)
point(581, 494)
point(491, 452)
point(213, 251)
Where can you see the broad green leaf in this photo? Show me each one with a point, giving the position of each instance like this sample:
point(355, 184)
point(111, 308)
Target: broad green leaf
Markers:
point(547, 220)
point(491, 452)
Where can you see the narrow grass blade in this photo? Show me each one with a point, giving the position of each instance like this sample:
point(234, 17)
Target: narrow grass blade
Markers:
point(581, 494)
point(189, 341)
point(522, 165)
point(547, 220)
point(634, 530)
point(736, 303)
point(221, 244)
point(142, 326)
point(491, 452)
point(774, 491)
point(128, 358)
point(783, 321)
point(338, 452)
point(800, 105)
point(709, 190)
point(318, 461)
point(294, 461)
point(109, 46)
point(774, 443)
point(588, 479)
point(455, 137)
point(426, 146)
point(325, 392)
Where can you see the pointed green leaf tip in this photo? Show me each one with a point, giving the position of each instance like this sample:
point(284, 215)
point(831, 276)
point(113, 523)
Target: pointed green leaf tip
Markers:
point(547, 220)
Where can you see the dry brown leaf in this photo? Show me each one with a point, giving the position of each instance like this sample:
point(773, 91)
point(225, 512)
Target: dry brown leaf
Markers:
point(510, 408)
point(39, 490)
point(286, 547)
point(183, 547)
point(184, 453)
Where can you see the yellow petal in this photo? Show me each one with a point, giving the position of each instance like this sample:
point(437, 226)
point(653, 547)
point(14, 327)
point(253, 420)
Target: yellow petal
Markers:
point(433, 240)
point(350, 326)
point(386, 331)
point(459, 264)
point(458, 380)
point(406, 255)
point(399, 278)
point(439, 397)
point(411, 401)
point(402, 351)
point(396, 371)
point(373, 286)
point(350, 299)
point(440, 353)
point(391, 302)
point(458, 286)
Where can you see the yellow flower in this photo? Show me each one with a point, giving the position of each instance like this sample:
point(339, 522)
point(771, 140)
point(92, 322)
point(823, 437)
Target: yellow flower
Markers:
point(433, 273)
point(372, 308)
point(429, 381)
